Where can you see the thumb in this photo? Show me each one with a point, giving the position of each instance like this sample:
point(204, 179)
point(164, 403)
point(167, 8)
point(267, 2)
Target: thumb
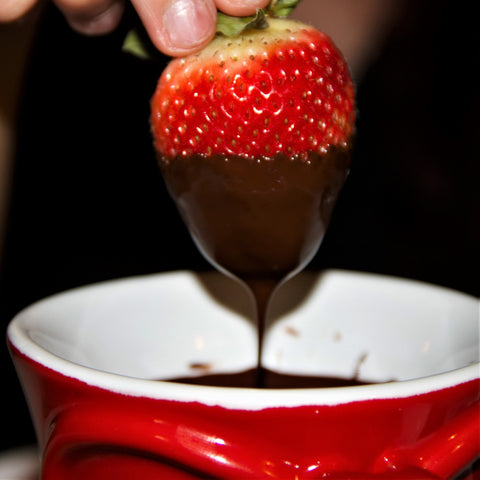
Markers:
point(178, 27)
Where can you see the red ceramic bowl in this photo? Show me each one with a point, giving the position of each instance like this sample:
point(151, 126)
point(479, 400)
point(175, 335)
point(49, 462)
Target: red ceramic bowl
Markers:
point(90, 361)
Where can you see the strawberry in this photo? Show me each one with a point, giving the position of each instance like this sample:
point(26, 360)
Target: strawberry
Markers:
point(253, 137)
point(284, 89)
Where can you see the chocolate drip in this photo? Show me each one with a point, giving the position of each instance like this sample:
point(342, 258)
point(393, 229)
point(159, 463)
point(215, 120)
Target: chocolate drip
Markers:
point(259, 220)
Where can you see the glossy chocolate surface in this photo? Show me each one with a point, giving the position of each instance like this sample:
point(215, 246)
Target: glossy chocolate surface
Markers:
point(257, 218)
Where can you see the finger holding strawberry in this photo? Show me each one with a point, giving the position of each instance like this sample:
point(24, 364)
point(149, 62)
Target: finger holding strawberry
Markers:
point(181, 27)
point(176, 27)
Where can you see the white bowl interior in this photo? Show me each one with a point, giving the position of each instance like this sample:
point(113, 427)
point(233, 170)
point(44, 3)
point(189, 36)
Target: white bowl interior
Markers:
point(335, 323)
point(371, 327)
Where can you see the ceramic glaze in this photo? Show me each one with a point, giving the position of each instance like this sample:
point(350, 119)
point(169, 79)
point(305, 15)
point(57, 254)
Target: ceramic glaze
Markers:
point(101, 420)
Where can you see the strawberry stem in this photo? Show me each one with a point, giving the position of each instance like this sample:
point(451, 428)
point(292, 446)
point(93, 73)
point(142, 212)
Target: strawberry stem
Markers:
point(233, 26)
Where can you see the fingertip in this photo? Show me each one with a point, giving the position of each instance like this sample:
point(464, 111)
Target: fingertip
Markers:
point(11, 10)
point(179, 27)
point(241, 7)
point(173, 50)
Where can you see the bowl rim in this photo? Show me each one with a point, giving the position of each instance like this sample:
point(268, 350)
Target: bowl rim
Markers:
point(22, 344)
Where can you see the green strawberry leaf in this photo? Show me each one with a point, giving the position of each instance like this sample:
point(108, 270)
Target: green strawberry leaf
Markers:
point(281, 8)
point(234, 26)
point(134, 45)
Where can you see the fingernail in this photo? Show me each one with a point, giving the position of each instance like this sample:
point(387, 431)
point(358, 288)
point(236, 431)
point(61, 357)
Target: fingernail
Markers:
point(188, 23)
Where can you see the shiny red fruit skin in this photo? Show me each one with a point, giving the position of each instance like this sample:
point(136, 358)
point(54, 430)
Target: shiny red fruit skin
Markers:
point(286, 90)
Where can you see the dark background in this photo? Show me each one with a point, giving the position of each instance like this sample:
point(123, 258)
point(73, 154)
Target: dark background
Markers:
point(89, 203)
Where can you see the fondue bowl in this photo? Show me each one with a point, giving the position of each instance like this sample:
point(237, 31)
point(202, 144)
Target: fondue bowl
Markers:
point(94, 364)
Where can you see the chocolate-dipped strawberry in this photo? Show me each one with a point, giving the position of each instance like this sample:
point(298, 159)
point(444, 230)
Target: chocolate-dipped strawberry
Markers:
point(253, 136)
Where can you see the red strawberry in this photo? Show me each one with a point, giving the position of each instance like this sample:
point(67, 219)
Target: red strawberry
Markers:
point(283, 89)
point(253, 136)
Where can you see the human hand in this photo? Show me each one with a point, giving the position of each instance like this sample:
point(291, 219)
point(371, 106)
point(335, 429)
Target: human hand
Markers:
point(176, 27)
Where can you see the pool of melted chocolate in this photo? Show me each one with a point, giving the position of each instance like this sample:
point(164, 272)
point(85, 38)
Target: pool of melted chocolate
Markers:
point(258, 220)
point(264, 378)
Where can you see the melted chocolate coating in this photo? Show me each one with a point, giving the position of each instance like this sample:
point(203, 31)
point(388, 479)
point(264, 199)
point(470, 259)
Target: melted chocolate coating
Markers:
point(257, 218)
